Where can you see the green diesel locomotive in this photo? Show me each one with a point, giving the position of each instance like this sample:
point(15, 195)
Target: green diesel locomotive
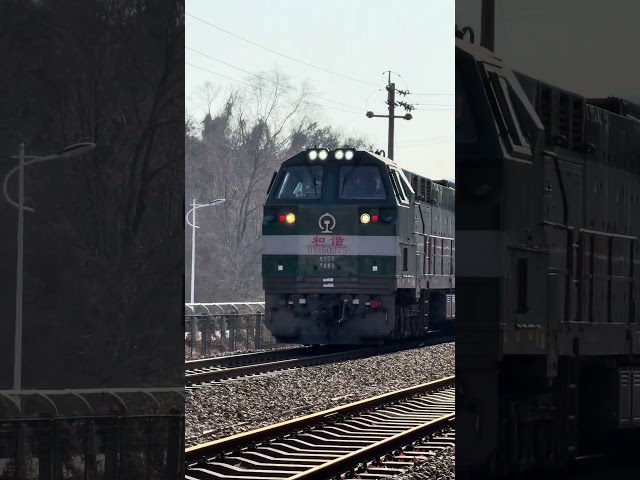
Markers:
point(356, 250)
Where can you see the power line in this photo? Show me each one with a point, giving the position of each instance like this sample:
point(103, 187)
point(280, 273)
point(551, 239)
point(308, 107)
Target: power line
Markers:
point(268, 79)
point(248, 85)
point(436, 104)
point(432, 94)
point(218, 74)
point(423, 139)
point(281, 54)
point(366, 103)
point(425, 143)
point(422, 145)
point(391, 71)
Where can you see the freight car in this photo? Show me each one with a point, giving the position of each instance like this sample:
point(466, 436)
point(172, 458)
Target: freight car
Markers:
point(356, 250)
point(548, 218)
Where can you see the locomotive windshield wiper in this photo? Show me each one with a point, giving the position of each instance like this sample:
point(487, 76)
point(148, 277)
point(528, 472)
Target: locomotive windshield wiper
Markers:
point(348, 176)
point(313, 179)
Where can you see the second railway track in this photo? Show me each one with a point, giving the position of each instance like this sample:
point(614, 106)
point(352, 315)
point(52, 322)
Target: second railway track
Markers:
point(200, 373)
point(372, 438)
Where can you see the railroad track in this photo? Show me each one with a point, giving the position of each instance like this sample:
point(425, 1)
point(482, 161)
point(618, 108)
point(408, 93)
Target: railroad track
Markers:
point(200, 373)
point(372, 438)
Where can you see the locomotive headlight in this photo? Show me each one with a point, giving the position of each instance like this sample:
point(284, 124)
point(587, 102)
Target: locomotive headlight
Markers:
point(365, 218)
point(312, 154)
point(290, 218)
point(323, 154)
point(339, 154)
point(348, 154)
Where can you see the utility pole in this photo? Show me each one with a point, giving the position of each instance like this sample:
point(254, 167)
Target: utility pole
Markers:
point(391, 101)
point(487, 24)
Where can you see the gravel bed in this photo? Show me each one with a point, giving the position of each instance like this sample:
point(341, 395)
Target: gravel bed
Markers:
point(237, 352)
point(229, 408)
point(440, 467)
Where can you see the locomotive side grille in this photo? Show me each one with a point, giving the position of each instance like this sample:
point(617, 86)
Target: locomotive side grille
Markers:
point(577, 123)
point(561, 113)
point(423, 189)
point(428, 192)
point(564, 116)
point(414, 185)
point(544, 110)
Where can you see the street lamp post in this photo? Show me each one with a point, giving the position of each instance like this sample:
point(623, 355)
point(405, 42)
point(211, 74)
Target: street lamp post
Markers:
point(193, 225)
point(70, 151)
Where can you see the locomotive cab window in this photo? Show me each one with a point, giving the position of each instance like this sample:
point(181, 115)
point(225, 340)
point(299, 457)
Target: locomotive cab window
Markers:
point(465, 125)
point(301, 183)
point(508, 115)
point(396, 182)
point(361, 183)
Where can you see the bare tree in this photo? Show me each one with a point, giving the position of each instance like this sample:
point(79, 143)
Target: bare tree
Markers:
point(253, 132)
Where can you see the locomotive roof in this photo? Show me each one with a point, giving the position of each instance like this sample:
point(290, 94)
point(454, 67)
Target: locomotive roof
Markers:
point(478, 52)
point(614, 105)
point(387, 161)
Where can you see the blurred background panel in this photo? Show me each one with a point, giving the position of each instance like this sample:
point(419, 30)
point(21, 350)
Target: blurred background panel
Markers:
point(91, 282)
point(548, 178)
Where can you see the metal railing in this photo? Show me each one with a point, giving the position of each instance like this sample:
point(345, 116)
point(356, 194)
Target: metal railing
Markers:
point(92, 434)
point(225, 327)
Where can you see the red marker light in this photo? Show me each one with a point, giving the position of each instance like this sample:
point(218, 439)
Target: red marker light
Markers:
point(281, 218)
point(374, 218)
point(375, 303)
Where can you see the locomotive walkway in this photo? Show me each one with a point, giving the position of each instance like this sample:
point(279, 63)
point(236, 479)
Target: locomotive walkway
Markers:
point(372, 438)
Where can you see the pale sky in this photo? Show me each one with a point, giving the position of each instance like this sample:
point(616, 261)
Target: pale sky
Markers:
point(356, 38)
point(585, 46)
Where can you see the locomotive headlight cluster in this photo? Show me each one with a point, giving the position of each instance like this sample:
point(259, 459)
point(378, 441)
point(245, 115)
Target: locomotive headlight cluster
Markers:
point(288, 218)
point(366, 218)
point(323, 154)
point(343, 154)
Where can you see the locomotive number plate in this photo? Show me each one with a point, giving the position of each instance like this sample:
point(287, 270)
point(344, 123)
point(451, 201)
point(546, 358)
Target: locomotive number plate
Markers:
point(325, 245)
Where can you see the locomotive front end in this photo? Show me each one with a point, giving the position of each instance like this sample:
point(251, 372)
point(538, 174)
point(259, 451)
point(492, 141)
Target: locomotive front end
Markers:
point(330, 248)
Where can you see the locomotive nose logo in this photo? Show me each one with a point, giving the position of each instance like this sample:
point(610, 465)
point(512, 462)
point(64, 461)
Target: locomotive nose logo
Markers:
point(327, 223)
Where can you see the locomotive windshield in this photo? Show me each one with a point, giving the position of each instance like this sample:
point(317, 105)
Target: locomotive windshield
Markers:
point(361, 183)
point(465, 126)
point(300, 183)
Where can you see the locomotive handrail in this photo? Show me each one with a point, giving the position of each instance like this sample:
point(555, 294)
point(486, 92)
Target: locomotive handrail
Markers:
point(607, 234)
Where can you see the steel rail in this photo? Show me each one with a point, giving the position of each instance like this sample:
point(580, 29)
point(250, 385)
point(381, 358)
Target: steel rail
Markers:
point(243, 365)
point(236, 360)
point(267, 367)
point(368, 453)
point(199, 454)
